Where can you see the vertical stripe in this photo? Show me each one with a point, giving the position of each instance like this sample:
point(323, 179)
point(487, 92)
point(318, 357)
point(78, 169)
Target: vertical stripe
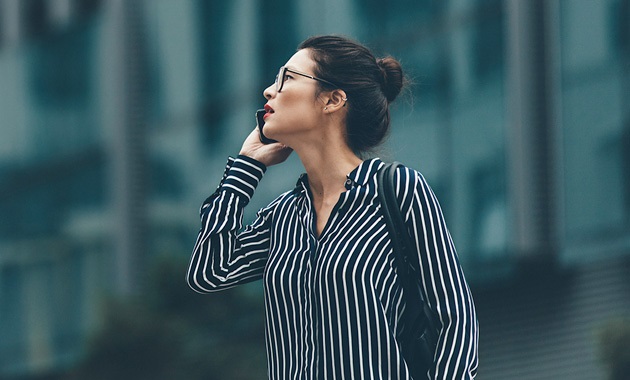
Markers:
point(333, 303)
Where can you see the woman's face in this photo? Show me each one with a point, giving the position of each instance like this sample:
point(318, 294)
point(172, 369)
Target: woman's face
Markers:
point(296, 109)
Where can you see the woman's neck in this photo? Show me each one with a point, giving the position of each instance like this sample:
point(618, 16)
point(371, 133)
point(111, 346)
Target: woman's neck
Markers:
point(327, 165)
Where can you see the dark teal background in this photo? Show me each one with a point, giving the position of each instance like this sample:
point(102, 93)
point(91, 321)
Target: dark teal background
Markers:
point(116, 119)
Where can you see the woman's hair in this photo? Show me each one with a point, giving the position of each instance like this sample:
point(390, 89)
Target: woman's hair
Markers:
point(370, 85)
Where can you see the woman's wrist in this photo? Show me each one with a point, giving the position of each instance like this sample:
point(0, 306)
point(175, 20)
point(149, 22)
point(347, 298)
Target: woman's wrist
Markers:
point(252, 159)
point(243, 176)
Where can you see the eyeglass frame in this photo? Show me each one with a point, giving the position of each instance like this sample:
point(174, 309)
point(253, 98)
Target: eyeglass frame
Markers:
point(282, 74)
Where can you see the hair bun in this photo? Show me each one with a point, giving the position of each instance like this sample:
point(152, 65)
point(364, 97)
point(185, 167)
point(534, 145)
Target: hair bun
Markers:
point(393, 78)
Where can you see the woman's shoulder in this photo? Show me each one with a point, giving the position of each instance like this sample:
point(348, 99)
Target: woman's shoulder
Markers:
point(407, 176)
point(410, 183)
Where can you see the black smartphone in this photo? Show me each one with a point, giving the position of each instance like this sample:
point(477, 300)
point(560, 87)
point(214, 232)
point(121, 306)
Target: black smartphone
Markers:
point(260, 123)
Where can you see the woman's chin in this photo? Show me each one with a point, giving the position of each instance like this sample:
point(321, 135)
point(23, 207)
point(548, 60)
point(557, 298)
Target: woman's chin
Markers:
point(271, 133)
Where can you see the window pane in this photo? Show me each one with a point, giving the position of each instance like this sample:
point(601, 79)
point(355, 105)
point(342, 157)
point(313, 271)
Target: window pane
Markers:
point(595, 120)
point(454, 132)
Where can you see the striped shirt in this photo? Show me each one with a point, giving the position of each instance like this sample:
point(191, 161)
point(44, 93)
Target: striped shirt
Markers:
point(333, 303)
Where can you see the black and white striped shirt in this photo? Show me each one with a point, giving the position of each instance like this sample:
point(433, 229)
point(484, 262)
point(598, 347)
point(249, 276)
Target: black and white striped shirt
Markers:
point(332, 303)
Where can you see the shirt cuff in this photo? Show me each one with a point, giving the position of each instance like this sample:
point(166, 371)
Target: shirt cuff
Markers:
point(243, 176)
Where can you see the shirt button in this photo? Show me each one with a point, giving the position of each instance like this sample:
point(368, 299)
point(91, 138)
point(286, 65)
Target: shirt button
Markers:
point(349, 182)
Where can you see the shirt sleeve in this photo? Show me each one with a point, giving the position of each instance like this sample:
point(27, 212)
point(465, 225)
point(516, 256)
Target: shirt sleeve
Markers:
point(442, 279)
point(222, 257)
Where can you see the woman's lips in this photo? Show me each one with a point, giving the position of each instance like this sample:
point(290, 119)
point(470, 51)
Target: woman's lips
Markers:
point(269, 111)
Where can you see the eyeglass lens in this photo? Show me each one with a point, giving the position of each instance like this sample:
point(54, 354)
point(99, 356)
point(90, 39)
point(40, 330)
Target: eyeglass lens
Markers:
point(280, 79)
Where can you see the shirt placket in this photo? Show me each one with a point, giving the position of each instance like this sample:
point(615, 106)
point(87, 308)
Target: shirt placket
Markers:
point(310, 310)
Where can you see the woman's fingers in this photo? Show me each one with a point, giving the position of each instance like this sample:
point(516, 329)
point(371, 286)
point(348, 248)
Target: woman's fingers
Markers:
point(268, 154)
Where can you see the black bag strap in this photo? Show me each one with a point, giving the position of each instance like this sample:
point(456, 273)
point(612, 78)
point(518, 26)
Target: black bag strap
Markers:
point(401, 242)
point(405, 251)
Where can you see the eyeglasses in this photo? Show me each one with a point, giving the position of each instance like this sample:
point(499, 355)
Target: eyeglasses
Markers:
point(281, 77)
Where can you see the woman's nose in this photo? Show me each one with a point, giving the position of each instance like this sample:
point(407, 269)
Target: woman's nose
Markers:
point(269, 91)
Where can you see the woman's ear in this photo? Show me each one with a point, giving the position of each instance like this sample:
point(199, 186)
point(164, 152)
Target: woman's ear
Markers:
point(336, 100)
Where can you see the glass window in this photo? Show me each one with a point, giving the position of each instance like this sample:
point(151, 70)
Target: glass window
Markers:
point(479, 171)
point(214, 75)
point(477, 125)
point(34, 18)
point(454, 132)
point(56, 173)
point(488, 39)
point(595, 120)
point(620, 26)
point(61, 97)
point(399, 21)
point(61, 70)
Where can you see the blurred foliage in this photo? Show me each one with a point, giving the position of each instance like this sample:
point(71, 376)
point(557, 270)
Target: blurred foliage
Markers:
point(175, 333)
point(614, 342)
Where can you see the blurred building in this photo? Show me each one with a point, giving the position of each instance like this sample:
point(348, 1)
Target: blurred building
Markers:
point(116, 118)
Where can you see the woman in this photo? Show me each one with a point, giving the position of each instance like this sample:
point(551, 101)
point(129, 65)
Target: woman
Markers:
point(332, 299)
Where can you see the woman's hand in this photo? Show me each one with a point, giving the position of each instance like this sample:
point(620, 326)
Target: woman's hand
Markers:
point(268, 154)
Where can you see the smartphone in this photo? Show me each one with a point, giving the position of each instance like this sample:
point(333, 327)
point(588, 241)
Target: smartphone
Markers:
point(260, 123)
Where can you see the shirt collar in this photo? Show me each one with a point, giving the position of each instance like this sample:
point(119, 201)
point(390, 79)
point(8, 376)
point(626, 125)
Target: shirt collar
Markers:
point(359, 176)
point(362, 173)
point(301, 185)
